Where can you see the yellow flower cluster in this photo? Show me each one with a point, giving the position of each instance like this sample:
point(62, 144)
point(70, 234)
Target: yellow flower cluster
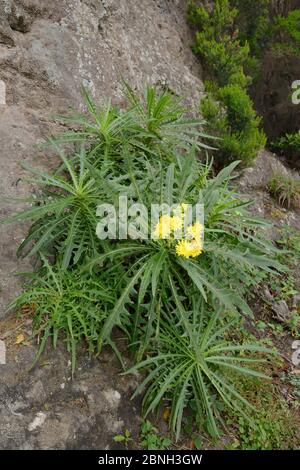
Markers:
point(190, 247)
point(193, 246)
point(195, 231)
point(167, 225)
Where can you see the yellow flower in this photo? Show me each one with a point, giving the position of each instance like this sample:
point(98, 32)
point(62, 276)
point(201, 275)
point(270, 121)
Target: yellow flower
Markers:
point(163, 228)
point(188, 248)
point(180, 210)
point(195, 231)
point(167, 225)
point(176, 223)
point(184, 206)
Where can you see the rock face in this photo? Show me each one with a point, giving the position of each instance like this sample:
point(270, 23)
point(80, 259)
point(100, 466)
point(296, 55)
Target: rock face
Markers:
point(254, 186)
point(47, 49)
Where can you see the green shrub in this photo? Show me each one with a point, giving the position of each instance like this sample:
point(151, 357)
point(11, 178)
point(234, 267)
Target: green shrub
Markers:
point(67, 307)
point(286, 189)
point(254, 23)
point(262, 29)
point(165, 302)
point(231, 39)
point(240, 113)
point(287, 31)
point(217, 42)
point(229, 110)
point(232, 118)
point(189, 367)
point(153, 124)
point(64, 214)
point(289, 145)
point(115, 147)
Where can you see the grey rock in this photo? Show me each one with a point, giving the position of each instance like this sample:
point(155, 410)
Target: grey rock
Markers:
point(36, 413)
point(36, 393)
point(267, 294)
point(6, 36)
point(281, 311)
point(252, 184)
point(296, 301)
point(258, 176)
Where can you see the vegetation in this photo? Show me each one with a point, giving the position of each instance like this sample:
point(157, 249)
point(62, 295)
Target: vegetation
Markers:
point(287, 31)
point(231, 39)
point(286, 189)
point(217, 43)
point(124, 438)
point(260, 27)
point(228, 109)
point(195, 369)
point(275, 424)
point(268, 33)
point(253, 20)
point(289, 145)
point(174, 302)
point(67, 307)
point(181, 306)
point(151, 439)
point(230, 117)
